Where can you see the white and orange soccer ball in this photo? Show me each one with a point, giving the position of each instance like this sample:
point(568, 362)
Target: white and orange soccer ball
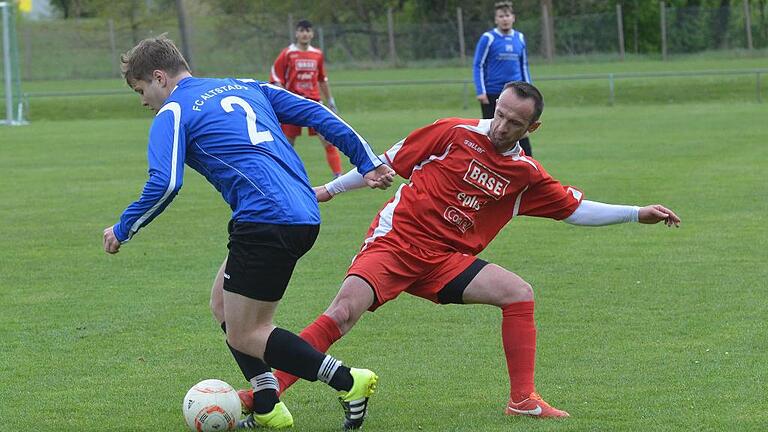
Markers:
point(211, 406)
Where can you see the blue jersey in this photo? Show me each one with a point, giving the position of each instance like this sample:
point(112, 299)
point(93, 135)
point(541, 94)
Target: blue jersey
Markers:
point(499, 59)
point(228, 130)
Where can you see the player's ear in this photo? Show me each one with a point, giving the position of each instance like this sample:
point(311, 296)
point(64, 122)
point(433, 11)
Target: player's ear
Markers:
point(160, 77)
point(535, 125)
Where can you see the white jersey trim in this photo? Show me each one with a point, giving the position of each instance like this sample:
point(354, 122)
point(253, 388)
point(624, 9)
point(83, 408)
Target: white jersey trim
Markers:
point(174, 108)
point(385, 218)
point(482, 60)
point(432, 158)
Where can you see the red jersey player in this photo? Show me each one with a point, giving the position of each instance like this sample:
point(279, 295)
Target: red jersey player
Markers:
point(300, 69)
point(468, 178)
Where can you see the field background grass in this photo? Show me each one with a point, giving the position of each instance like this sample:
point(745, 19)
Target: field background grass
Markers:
point(640, 327)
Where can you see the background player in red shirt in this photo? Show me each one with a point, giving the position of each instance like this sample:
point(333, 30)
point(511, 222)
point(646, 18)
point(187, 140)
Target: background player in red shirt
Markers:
point(300, 69)
point(468, 178)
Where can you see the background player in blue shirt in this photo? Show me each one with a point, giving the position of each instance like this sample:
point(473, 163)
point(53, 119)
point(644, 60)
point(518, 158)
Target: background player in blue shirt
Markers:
point(229, 131)
point(500, 57)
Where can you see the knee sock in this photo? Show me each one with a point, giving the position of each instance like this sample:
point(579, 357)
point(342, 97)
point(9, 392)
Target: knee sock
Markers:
point(290, 353)
point(333, 158)
point(518, 334)
point(321, 334)
point(260, 376)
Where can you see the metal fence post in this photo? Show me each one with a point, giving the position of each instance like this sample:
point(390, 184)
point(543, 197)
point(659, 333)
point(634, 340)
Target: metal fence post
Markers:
point(620, 30)
point(462, 43)
point(547, 32)
point(113, 46)
point(391, 31)
point(611, 92)
point(290, 28)
point(663, 12)
point(757, 83)
point(322, 41)
point(466, 95)
point(748, 23)
point(5, 6)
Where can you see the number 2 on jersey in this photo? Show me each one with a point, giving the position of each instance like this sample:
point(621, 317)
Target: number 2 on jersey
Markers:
point(250, 117)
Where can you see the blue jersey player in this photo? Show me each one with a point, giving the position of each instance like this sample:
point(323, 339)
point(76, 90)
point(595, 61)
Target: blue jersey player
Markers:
point(228, 130)
point(501, 56)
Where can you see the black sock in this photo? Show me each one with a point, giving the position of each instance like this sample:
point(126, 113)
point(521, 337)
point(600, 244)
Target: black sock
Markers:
point(263, 400)
point(290, 353)
point(342, 379)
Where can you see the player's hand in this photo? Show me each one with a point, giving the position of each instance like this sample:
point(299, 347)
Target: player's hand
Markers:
point(322, 194)
point(111, 243)
point(380, 178)
point(483, 98)
point(656, 213)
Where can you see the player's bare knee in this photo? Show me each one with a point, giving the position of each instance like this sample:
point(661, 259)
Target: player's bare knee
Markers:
point(341, 313)
point(522, 291)
point(217, 308)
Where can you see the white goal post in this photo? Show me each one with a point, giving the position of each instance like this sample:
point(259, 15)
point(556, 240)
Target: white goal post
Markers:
point(14, 107)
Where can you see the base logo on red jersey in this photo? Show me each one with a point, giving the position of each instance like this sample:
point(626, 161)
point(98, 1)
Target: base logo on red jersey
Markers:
point(483, 178)
point(458, 218)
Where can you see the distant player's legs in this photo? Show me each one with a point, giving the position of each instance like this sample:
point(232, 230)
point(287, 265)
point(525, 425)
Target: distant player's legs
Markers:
point(352, 300)
point(332, 156)
point(291, 132)
point(489, 108)
point(496, 286)
point(525, 143)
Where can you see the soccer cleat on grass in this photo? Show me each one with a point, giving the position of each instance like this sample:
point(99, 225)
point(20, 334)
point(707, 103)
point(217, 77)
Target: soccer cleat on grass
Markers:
point(534, 406)
point(246, 400)
point(278, 418)
point(355, 401)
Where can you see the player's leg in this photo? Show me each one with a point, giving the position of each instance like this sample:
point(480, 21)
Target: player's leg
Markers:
point(331, 156)
point(263, 400)
point(489, 108)
point(261, 260)
point(494, 285)
point(291, 132)
point(525, 143)
point(352, 300)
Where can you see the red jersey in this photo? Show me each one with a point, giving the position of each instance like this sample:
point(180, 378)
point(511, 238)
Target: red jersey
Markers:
point(462, 192)
point(299, 71)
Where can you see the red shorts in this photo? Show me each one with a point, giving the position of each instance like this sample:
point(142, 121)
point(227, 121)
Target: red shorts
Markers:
point(392, 268)
point(292, 131)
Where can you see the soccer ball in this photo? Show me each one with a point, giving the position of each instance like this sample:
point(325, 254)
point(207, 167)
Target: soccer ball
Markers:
point(211, 406)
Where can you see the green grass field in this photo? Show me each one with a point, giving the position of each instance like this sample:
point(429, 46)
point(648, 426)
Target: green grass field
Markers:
point(640, 327)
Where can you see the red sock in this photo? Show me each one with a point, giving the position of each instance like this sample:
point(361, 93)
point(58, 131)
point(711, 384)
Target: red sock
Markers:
point(518, 334)
point(333, 158)
point(321, 334)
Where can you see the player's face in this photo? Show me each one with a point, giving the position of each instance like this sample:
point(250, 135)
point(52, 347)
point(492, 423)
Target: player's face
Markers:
point(153, 93)
point(511, 121)
point(504, 19)
point(304, 35)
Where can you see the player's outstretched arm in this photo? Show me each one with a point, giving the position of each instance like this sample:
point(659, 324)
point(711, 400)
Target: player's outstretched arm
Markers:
point(593, 213)
point(656, 213)
point(379, 178)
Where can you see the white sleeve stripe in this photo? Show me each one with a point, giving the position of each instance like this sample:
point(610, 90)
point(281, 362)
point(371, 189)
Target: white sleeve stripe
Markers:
point(368, 151)
point(273, 75)
point(392, 152)
point(518, 201)
point(174, 108)
point(482, 61)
